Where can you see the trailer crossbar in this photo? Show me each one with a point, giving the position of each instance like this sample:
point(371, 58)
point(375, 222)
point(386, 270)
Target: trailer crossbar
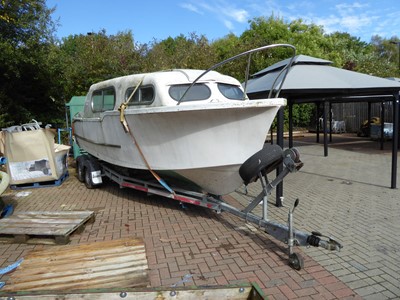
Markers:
point(151, 188)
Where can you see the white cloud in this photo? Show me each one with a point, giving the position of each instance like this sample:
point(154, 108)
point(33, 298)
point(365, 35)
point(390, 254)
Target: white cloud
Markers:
point(222, 10)
point(345, 8)
point(228, 24)
point(191, 7)
point(238, 15)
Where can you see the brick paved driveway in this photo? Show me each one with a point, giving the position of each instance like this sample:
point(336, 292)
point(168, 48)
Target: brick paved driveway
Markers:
point(212, 249)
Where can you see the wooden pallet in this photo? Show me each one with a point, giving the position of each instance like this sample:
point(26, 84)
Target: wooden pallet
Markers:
point(110, 264)
point(42, 184)
point(43, 227)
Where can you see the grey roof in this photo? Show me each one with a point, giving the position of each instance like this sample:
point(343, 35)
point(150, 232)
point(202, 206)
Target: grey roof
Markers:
point(311, 77)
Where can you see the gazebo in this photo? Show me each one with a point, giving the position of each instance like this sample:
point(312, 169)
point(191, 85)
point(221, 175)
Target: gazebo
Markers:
point(314, 80)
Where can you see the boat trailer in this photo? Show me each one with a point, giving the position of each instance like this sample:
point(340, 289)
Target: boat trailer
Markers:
point(90, 171)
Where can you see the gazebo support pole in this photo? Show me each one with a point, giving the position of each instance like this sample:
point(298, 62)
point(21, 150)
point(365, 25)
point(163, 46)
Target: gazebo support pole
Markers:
point(330, 122)
point(317, 104)
point(369, 120)
point(325, 129)
point(279, 141)
point(382, 133)
point(395, 139)
point(290, 124)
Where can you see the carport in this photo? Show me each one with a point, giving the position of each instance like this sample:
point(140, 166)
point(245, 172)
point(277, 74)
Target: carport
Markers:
point(314, 80)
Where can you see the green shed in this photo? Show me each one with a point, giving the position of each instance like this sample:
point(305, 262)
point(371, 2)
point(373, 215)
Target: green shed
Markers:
point(74, 106)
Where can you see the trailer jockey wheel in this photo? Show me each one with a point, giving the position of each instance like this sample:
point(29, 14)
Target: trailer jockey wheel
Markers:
point(296, 261)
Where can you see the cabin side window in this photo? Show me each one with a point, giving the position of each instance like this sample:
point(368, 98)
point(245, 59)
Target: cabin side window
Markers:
point(143, 95)
point(199, 91)
point(103, 100)
point(231, 91)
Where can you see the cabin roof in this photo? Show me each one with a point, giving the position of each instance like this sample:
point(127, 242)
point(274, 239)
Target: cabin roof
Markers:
point(167, 77)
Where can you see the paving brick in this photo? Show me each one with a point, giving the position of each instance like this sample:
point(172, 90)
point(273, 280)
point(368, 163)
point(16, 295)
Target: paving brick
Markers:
point(180, 242)
point(287, 292)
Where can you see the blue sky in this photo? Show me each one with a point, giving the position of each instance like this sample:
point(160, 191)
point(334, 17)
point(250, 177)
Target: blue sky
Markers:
point(160, 19)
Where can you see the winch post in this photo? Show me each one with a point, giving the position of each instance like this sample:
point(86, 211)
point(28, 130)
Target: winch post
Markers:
point(264, 182)
point(282, 232)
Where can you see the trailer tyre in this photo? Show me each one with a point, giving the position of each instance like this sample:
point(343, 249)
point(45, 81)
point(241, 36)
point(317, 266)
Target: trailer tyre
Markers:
point(87, 169)
point(90, 165)
point(80, 170)
point(263, 161)
point(296, 261)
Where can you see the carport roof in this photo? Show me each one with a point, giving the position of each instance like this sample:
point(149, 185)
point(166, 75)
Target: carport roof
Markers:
point(312, 78)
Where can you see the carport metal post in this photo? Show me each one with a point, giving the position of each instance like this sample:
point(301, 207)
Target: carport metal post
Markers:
point(290, 104)
point(382, 133)
point(317, 104)
point(279, 141)
point(395, 139)
point(325, 129)
point(330, 121)
point(369, 119)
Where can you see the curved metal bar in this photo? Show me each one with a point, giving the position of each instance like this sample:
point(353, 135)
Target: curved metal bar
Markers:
point(243, 54)
point(287, 68)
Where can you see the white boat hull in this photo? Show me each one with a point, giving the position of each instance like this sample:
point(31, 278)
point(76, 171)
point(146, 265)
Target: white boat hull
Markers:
point(205, 144)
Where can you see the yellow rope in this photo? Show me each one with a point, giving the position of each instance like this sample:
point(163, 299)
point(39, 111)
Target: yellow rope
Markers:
point(125, 124)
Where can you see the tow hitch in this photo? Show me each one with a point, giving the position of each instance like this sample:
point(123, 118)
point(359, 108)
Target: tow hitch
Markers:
point(256, 168)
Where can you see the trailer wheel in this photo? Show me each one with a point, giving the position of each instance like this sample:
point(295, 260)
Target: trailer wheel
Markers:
point(80, 170)
point(263, 161)
point(296, 261)
point(87, 169)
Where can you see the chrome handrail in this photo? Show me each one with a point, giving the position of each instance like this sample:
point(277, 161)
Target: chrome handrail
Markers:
point(249, 52)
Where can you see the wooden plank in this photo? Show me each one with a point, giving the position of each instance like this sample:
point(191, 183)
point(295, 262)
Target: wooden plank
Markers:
point(57, 225)
point(243, 292)
point(120, 263)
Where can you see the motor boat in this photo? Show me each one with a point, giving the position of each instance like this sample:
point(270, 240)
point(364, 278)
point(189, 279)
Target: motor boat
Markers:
point(195, 125)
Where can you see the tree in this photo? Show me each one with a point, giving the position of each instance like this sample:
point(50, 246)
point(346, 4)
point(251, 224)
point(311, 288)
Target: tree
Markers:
point(387, 50)
point(87, 59)
point(25, 38)
point(193, 52)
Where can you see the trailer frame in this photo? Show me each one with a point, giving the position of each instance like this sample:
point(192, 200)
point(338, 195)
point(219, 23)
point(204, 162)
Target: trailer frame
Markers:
point(91, 171)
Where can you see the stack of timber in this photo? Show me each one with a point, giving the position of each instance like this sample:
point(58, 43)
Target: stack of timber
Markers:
point(43, 227)
point(109, 264)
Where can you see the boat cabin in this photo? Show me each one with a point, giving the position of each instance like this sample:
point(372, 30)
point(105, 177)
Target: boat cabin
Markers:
point(158, 89)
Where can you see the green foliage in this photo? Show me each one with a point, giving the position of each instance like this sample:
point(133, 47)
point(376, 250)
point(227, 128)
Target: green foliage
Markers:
point(302, 115)
point(193, 52)
point(25, 39)
point(39, 74)
point(86, 59)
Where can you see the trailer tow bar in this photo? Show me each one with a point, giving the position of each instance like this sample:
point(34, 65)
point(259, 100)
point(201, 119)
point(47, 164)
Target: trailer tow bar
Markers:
point(285, 233)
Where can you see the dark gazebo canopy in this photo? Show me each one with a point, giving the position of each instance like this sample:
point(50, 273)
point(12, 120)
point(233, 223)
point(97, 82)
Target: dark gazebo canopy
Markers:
point(314, 80)
point(311, 78)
